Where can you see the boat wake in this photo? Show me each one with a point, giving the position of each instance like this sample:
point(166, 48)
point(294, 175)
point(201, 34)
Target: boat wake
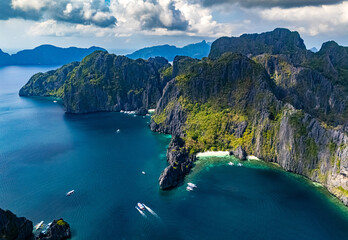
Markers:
point(141, 212)
point(152, 212)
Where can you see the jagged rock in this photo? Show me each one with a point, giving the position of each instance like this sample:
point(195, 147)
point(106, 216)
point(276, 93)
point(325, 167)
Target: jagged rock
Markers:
point(279, 41)
point(59, 230)
point(180, 164)
point(103, 82)
point(15, 228)
point(239, 153)
point(141, 111)
point(265, 93)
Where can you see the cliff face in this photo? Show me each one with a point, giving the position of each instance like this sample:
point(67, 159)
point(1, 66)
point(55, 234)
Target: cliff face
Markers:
point(14, 228)
point(48, 84)
point(259, 94)
point(234, 102)
point(103, 82)
point(279, 41)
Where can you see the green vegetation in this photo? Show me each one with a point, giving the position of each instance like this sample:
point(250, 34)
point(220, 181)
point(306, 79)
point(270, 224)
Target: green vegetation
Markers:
point(61, 222)
point(208, 127)
point(342, 190)
point(296, 122)
point(167, 72)
point(161, 117)
point(311, 148)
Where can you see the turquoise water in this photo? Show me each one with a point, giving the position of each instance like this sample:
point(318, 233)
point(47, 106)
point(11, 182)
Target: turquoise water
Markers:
point(44, 153)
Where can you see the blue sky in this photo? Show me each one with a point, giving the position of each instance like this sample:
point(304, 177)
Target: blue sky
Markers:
point(133, 24)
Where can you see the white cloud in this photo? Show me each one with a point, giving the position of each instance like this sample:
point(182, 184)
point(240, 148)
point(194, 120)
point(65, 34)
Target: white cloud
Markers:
point(167, 17)
point(58, 29)
point(30, 4)
point(312, 20)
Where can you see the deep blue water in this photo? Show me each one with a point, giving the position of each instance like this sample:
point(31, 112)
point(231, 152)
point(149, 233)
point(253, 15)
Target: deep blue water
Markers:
point(44, 153)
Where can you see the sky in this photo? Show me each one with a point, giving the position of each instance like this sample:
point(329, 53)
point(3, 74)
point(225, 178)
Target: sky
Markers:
point(132, 24)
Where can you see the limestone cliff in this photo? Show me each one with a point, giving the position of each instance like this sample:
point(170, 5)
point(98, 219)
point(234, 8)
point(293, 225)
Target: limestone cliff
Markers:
point(103, 82)
point(232, 102)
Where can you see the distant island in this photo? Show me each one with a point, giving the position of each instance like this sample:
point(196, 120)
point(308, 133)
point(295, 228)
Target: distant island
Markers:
point(198, 50)
point(46, 55)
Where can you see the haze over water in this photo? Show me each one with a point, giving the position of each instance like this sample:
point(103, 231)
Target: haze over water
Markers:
point(45, 153)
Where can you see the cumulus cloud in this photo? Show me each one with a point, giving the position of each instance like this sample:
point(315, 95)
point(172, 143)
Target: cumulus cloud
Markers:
point(86, 12)
point(312, 20)
point(29, 4)
point(149, 14)
point(7, 11)
point(269, 3)
point(167, 17)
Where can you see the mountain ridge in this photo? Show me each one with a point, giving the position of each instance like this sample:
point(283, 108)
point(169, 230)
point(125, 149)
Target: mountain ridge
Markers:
point(197, 50)
point(262, 94)
point(46, 55)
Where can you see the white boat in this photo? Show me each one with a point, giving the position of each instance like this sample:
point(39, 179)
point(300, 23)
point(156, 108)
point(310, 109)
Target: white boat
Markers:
point(70, 193)
point(239, 164)
point(192, 185)
point(118, 130)
point(143, 172)
point(38, 226)
point(141, 206)
point(188, 188)
point(55, 101)
point(231, 163)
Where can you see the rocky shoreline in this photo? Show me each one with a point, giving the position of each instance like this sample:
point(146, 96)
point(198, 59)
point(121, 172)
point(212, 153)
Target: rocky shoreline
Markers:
point(20, 228)
point(263, 94)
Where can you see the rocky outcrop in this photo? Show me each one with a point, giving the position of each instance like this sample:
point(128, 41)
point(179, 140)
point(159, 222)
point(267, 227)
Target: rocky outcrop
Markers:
point(259, 94)
point(19, 228)
point(15, 228)
point(232, 103)
point(59, 230)
point(180, 163)
point(48, 84)
point(280, 41)
point(239, 153)
point(306, 88)
point(103, 82)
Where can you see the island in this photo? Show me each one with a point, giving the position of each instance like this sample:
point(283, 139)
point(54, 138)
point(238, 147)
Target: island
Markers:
point(264, 95)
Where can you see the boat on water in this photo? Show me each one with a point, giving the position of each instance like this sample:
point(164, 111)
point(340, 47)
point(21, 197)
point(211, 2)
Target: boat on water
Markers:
point(143, 172)
point(38, 226)
point(188, 188)
point(192, 185)
point(141, 206)
point(70, 193)
point(55, 101)
point(231, 163)
point(239, 164)
point(118, 130)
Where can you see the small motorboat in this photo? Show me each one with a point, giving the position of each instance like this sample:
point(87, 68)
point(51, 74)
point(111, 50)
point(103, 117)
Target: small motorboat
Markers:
point(70, 193)
point(118, 130)
point(38, 226)
point(188, 188)
point(141, 206)
point(231, 163)
point(55, 101)
point(143, 172)
point(192, 185)
point(239, 164)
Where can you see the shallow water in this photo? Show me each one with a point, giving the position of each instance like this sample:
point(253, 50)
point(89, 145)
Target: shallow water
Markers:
point(45, 153)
